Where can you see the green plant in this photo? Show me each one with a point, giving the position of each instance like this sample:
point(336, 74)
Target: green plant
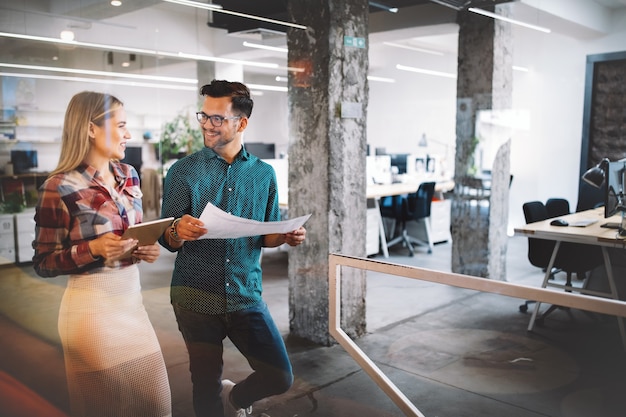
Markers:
point(179, 138)
point(13, 203)
point(472, 169)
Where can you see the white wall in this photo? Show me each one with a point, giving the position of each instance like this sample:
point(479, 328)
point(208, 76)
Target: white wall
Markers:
point(545, 159)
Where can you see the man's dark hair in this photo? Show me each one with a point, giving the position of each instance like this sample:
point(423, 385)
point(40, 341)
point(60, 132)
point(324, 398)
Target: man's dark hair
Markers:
point(238, 92)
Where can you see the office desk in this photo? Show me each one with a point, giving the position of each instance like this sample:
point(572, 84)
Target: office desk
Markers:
point(376, 191)
point(593, 234)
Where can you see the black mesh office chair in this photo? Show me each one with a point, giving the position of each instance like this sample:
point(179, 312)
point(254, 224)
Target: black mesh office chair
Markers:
point(557, 207)
point(571, 257)
point(414, 207)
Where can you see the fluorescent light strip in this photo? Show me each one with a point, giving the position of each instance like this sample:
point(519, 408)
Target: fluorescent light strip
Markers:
point(507, 19)
point(101, 73)
point(384, 7)
point(381, 79)
point(128, 83)
point(206, 6)
point(86, 44)
point(413, 48)
point(520, 69)
point(247, 16)
point(425, 71)
point(156, 53)
point(267, 87)
point(227, 60)
point(266, 47)
point(99, 81)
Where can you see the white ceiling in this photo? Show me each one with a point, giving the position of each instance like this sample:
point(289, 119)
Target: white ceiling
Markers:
point(429, 26)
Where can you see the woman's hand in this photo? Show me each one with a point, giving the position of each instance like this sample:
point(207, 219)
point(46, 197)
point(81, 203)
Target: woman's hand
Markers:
point(111, 246)
point(148, 253)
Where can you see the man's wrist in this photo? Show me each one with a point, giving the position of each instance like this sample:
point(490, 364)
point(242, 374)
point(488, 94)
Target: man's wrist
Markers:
point(173, 233)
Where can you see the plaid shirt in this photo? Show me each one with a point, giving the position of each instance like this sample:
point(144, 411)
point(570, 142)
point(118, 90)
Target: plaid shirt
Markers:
point(76, 207)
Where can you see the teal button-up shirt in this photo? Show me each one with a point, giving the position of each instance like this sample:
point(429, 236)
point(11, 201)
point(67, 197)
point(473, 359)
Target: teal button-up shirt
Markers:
point(216, 276)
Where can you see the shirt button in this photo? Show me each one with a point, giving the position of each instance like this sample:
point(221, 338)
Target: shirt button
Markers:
point(230, 189)
point(228, 284)
point(227, 260)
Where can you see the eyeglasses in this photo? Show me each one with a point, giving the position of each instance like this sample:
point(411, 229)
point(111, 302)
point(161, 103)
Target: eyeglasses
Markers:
point(216, 120)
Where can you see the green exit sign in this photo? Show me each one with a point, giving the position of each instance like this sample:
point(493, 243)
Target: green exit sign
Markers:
point(354, 42)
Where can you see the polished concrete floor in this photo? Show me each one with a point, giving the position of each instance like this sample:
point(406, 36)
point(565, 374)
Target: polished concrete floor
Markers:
point(452, 352)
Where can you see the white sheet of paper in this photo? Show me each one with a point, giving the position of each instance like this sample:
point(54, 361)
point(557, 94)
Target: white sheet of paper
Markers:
point(221, 225)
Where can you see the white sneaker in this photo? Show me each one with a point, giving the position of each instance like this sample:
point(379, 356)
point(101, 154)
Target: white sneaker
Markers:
point(229, 408)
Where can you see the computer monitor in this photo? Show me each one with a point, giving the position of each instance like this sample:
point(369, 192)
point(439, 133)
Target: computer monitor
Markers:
point(134, 156)
point(24, 160)
point(399, 160)
point(261, 150)
point(378, 168)
point(614, 187)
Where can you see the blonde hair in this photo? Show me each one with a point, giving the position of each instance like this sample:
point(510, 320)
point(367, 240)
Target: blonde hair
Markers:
point(84, 108)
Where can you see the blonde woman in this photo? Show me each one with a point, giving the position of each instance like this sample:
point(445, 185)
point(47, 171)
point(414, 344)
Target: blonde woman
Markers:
point(113, 360)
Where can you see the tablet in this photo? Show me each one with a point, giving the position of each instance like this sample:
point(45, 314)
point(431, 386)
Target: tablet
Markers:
point(148, 233)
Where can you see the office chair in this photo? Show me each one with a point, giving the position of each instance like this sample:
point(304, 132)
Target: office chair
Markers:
point(571, 257)
point(557, 207)
point(412, 207)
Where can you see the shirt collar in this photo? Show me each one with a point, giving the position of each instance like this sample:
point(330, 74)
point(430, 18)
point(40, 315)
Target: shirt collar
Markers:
point(116, 168)
point(243, 154)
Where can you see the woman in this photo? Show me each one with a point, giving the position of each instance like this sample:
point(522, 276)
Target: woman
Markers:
point(113, 361)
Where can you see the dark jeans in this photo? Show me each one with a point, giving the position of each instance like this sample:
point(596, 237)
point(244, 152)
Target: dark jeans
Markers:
point(256, 336)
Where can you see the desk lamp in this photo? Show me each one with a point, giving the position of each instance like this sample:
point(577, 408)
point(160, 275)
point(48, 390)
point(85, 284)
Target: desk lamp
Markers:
point(595, 177)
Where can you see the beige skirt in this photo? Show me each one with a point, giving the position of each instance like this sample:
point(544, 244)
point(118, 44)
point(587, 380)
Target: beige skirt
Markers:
point(113, 360)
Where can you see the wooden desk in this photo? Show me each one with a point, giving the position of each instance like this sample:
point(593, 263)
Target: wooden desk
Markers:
point(593, 234)
point(376, 191)
point(384, 190)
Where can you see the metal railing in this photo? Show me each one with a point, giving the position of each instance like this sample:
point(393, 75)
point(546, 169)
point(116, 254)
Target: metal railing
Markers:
point(337, 261)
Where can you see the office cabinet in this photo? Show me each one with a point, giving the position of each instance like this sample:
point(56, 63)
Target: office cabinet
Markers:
point(439, 223)
point(7, 239)
point(440, 220)
point(372, 237)
point(24, 236)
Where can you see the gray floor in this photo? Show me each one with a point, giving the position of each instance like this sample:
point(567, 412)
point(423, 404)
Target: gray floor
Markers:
point(452, 352)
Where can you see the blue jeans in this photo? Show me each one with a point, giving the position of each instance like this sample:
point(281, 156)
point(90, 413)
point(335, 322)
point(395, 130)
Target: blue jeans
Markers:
point(255, 334)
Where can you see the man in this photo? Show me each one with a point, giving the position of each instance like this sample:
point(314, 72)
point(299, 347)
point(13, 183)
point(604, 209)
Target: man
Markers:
point(216, 283)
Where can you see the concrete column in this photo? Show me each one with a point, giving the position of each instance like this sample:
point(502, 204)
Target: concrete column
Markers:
point(479, 208)
point(327, 149)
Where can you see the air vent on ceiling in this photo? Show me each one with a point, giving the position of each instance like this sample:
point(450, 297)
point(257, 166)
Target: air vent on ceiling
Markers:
point(258, 34)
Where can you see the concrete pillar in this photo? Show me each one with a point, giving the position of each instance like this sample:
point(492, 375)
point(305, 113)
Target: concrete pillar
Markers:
point(480, 208)
point(327, 149)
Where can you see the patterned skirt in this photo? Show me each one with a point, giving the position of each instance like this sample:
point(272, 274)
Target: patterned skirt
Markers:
point(113, 359)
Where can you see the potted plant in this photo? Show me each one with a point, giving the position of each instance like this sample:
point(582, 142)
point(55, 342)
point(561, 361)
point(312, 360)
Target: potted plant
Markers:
point(179, 138)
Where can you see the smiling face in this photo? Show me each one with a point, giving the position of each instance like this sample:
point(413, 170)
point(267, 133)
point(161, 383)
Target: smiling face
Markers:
point(108, 141)
point(225, 140)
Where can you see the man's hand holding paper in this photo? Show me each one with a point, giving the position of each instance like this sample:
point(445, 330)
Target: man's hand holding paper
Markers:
point(221, 225)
